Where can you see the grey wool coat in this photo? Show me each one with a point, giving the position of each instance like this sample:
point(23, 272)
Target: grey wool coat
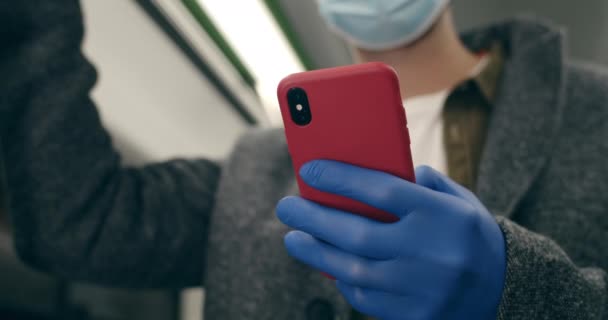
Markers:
point(77, 212)
point(544, 174)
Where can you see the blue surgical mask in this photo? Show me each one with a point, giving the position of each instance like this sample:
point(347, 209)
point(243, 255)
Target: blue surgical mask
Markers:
point(381, 24)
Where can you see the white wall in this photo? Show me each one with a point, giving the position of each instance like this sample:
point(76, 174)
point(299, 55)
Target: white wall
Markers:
point(324, 47)
point(152, 99)
point(586, 22)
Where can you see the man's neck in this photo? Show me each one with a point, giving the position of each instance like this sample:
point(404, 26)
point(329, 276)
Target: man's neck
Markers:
point(436, 62)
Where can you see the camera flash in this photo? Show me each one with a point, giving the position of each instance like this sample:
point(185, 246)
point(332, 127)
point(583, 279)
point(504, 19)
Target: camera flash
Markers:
point(299, 107)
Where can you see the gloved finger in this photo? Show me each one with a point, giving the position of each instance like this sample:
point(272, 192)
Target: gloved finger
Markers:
point(339, 264)
point(377, 189)
point(380, 304)
point(347, 231)
point(432, 179)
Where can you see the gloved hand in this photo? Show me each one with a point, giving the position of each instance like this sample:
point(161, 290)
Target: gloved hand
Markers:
point(445, 258)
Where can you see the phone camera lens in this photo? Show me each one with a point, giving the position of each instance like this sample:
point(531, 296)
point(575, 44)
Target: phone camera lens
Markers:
point(299, 106)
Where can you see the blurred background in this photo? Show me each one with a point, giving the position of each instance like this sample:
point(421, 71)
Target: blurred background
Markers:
point(187, 77)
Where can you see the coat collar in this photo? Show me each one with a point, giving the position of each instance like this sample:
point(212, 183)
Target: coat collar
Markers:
point(527, 109)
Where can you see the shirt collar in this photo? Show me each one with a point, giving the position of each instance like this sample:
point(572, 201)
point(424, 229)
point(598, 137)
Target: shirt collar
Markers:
point(488, 78)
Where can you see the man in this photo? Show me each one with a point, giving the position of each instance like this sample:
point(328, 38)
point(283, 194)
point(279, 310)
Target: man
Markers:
point(78, 213)
point(502, 111)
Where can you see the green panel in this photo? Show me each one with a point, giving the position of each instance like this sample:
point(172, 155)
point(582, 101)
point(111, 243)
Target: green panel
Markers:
point(214, 33)
point(275, 8)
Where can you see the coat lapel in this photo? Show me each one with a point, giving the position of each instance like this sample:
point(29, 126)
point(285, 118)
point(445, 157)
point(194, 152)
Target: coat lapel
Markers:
point(526, 114)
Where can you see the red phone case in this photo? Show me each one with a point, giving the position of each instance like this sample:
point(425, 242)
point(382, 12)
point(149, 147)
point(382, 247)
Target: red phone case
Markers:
point(357, 118)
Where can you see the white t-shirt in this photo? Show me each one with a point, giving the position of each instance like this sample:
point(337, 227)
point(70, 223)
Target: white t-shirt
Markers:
point(425, 123)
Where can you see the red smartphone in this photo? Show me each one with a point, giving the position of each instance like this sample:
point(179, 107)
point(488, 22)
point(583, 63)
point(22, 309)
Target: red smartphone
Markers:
point(351, 114)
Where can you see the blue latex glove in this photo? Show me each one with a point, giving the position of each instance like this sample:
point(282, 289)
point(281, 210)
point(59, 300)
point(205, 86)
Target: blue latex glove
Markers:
point(445, 258)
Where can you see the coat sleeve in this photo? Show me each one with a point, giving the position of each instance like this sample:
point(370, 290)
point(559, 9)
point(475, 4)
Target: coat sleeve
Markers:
point(543, 283)
point(75, 211)
point(557, 264)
